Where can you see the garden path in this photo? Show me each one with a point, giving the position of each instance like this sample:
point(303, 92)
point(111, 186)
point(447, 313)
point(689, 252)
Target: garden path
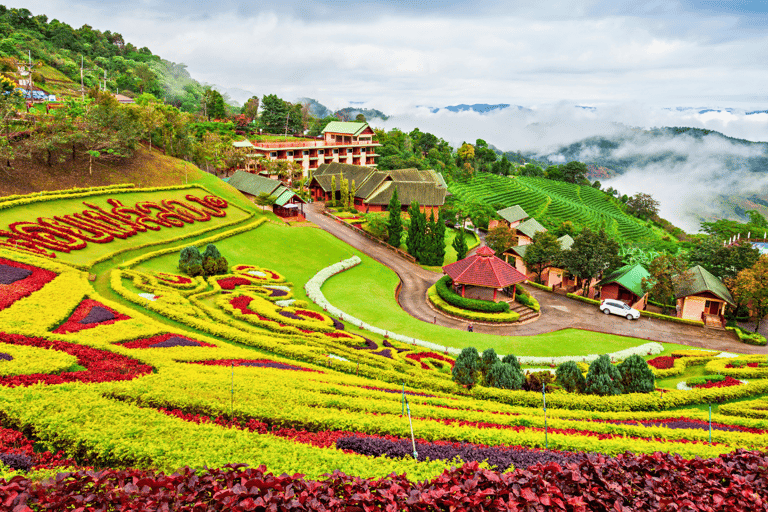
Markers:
point(558, 312)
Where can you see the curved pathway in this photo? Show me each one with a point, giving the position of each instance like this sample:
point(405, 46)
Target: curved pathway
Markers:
point(557, 312)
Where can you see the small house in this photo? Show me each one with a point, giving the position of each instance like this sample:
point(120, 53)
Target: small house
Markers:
point(626, 285)
point(702, 296)
point(482, 275)
point(287, 203)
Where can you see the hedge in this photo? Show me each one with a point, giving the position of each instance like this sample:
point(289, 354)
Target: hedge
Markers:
point(583, 299)
point(675, 319)
point(750, 338)
point(539, 286)
point(439, 303)
point(453, 298)
point(526, 299)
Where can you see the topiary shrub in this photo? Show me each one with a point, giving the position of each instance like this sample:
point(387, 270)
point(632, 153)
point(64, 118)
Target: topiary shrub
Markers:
point(503, 376)
point(467, 367)
point(636, 377)
point(603, 378)
point(222, 265)
point(569, 376)
point(535, 381)
point(443, 287)
point(194, 270)
point(511, 359)
point(211, 252)
point(190, 256)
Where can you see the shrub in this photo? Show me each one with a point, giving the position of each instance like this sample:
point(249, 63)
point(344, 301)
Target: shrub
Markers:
point(467, 367)
point(636, 377)
point(487, 360)
point(570, 377)
point(704, 379)
point(511, 359)
point(211, 252)
point(535, 381)
point(503, 376)
point(222, 265)
point(603, 378)
point(190, 256)
point(442, 305)
point(453, 298)
point(195, 269)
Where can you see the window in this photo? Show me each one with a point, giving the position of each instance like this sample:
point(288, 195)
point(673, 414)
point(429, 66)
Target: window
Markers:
point(305, 152)
point(349, 150)
point(273, 154)
point(320, 152)
point(290, 153)
point(335, 151)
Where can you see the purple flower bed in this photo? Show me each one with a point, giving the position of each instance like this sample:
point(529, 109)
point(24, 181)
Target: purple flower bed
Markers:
point(337, 324)
point(9, 274)
point(287, 314)
point(675, 424)
point(5, 357)
point(175, 341)
point(384, 353)
point(97, 315)
point(369, 345)
point(277, 366)
point(501, 457)
point(277, 292)
point(389, 345)
point(16, 461)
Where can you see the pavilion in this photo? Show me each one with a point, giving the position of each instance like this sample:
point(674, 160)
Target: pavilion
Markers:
point(482, 272)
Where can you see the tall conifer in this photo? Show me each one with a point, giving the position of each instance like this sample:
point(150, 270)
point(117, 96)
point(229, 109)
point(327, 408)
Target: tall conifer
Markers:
point(395, 222)
point(416, 232)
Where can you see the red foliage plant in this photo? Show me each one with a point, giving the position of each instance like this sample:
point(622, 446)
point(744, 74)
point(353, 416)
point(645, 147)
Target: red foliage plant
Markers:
point(165, 341)
point(662, 362)
point(79, 319)
point(229, 283)
point(13, 290)
point(418, 356)
point(100, 365)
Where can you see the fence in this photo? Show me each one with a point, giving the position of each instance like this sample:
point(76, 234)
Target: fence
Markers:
point(369, 236)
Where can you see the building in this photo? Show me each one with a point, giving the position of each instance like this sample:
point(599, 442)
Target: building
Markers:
point(342, 142)
point(482, 276)
point(552, 276)
point(287, 203)
point(511, 216)
point(374, 188)
point(626, 285)
point(702, 296)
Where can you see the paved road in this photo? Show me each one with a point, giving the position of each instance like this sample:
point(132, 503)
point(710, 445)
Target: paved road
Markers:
point(557, 312)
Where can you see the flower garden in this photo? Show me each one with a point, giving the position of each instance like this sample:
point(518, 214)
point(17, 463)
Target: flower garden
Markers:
point(168, 386)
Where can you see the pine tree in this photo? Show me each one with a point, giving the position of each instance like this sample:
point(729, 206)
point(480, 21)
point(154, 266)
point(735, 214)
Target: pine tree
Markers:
point(416, 240)
point(603, 378)
point(333, 191)
point(467, 367)
point(352, 190)
point(488, 359)
point(503, 376)
point(569, 376)
point(459, 244)
point(395, 222)
point(636, 377)
point(439, 236)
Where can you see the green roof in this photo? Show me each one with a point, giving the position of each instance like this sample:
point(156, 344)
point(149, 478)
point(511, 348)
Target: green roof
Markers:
point(565, 242)
point(699, 280)
point(254, 185)
point(347, 128)
point(407, 192)
point(530, 228)
point(513, 214)
point(243, 144)
point(628, 276)
point(520, 249)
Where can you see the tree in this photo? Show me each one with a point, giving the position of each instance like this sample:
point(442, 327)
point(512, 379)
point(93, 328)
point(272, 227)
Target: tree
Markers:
point(603, 378)
point(344, 192)
point(274, 113)
point(502, 167)
point(756, 219)
point(487, 360)
point(333, 190)
point(395, 221)
point(352, 191)
point(569, 376)
point(503, 376)
point(459, 244)
point(417, 239)
point(251, 108)
point(189, 256)
point(438, 236)
point(591, 255)
point(636, 377)
point(214, 105)
point(543, 252)
point(264, 199)
point(574, 172)
point(467, 367)
point(642, 205)
point(667, 274)
point(360, 118)
point(532, 170)
point(501, 238)
point(751, 286)
point(723, 261)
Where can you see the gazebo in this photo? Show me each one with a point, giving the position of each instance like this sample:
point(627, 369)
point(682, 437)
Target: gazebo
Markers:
point(482, 272)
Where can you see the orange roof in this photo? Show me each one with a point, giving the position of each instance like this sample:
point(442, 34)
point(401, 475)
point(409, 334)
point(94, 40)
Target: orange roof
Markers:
point(484, 269)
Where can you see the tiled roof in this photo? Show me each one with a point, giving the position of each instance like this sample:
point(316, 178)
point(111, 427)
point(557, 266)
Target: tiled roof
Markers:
point(565, 242)
point(484, 269)
point(254, 185)
point(407, 192)
point(243, 144)
point(347, 128)
point(512, 214)
point(699, 280)
point(628, 276)
point(530, 228)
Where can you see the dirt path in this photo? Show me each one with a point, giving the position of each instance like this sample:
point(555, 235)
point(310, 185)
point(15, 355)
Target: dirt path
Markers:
point(557, 312)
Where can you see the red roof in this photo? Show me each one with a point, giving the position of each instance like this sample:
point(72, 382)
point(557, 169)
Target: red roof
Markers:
point(484, 269)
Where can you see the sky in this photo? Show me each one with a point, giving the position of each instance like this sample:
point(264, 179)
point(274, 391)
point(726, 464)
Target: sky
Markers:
point(640, 64)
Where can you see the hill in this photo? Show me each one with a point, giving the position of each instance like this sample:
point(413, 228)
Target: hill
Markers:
point(553, 202)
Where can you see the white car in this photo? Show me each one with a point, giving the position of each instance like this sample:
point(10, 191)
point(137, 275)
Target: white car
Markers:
point(617, 307)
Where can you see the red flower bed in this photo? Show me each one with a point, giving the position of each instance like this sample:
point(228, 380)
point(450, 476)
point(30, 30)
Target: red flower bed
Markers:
point(662, 362)
point(337, 334)
point(625, 483)
point(310, 314)
point(259, 363)
point(20, 280)
point(100, 365)
point(229, 283)
point(751, 365)
point(166, 341)
point(241, 304)
point(88, 314)
point(174, 279)
point(20, 449)
point(418, 356)
point(729, 381)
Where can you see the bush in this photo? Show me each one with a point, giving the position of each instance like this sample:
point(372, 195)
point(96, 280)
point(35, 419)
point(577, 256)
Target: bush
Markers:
point(651, 314)
point(222, 265)
point(704, 379)
point(603, 378)
point(526, 299)
point(569, 376)
point(439, 303)
point(467, 367)
point(487, 360)
point(190, 256)
point(636, 377)
point(211, 252)
point(503, 376)
point(451, 297)
point(511, 359)
point(535, 381)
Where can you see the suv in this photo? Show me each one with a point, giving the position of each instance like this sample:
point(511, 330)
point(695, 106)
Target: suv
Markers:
point(617, 307)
